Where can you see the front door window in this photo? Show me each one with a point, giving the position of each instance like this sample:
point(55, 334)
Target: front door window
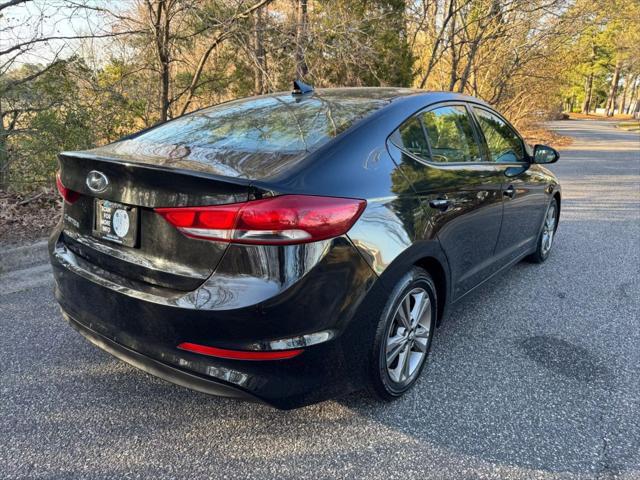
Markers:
point(505, 146)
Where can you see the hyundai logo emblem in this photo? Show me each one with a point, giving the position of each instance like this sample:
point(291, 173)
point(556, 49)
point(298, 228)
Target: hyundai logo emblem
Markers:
point(97, 181)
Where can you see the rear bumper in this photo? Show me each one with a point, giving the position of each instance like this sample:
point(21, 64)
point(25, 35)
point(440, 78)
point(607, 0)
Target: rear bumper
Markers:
point(159, 369)
point(143, 325)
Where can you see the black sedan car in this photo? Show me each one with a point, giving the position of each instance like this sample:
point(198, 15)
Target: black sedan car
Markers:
point(294, 247)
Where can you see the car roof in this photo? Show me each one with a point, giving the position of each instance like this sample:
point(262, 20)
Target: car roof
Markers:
point(374, 93)
point(384, 93)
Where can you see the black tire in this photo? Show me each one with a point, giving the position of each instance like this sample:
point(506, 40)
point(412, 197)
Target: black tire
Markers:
point(541, 254)
point(381, 384)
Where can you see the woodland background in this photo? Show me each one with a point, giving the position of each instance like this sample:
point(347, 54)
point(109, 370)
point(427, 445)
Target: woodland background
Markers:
point(80, 73)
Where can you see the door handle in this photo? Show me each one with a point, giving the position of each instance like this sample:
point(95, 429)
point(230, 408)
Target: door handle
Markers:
point(440, 204)
point(509, 192)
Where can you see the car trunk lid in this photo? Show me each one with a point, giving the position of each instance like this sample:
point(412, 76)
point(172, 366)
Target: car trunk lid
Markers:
point(157, 253)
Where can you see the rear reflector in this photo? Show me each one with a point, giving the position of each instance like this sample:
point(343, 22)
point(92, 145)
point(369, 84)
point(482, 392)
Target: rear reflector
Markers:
point(283, 220)
point(239, 354)
point(69, 195)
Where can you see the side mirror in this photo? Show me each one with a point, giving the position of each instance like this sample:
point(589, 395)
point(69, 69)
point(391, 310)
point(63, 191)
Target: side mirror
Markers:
point(544, 154)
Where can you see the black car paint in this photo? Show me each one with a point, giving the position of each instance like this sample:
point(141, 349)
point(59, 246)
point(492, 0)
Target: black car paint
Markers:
point(325, 296)
point(502, 227)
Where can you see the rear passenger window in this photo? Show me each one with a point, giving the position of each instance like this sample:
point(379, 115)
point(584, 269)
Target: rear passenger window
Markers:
point(450, 135)
point(504, 144)
point(410, 137)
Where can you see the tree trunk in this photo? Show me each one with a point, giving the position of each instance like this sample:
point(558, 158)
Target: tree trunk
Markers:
point(301, 39)
point(623, 98)
point(161, 22)
point(453, 74)
point(165, 60)
point(4, 160)
point(467, 69)
point(4, 148)
point(613, 91)
point(261, 59)
point(164, 93)
point(588, 92)
point(625, 91)
point(634, 95)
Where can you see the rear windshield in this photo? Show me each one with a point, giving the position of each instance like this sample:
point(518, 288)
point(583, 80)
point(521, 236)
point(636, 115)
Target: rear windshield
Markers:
point(283, 124)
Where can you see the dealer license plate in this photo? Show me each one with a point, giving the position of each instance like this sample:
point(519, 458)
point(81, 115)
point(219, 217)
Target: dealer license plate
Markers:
point(116, 223)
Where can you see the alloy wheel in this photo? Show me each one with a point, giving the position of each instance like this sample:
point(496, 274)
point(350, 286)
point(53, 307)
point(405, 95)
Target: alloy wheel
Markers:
point(549, 229)
point(408, 337)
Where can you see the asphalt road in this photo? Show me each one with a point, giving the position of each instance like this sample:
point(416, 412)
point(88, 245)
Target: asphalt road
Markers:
point(535, 375)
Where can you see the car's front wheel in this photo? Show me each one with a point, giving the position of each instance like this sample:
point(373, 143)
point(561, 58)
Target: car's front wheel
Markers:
point(547, 235)
point(404, 334)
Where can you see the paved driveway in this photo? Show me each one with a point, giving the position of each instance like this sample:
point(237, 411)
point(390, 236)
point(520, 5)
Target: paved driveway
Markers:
point(535, 375)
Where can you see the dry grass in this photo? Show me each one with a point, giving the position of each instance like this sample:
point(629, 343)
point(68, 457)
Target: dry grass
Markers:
point(593, 116)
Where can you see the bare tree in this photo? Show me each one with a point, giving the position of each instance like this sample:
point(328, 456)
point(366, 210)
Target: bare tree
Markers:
point(19, 44)
point(260, 85)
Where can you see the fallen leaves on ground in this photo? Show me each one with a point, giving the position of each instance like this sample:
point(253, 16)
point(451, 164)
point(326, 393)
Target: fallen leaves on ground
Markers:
point(25, 217)
point(537, 134)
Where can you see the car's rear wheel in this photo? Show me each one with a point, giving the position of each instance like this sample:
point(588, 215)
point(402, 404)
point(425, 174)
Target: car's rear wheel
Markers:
point(547, 235)
point(404, 334)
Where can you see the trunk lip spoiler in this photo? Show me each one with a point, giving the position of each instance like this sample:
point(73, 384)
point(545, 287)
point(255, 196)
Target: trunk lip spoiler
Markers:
point(239, 181)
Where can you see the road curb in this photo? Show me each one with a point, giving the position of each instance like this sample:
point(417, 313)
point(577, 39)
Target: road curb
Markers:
point(25, 278)
point(24, 256)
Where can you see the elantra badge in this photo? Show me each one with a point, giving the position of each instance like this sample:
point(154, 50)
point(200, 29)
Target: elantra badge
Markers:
point(97, 181)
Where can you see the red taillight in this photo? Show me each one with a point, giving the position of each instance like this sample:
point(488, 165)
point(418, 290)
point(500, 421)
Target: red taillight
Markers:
point(69, 195)
point(280, 220)
point(239, 354)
